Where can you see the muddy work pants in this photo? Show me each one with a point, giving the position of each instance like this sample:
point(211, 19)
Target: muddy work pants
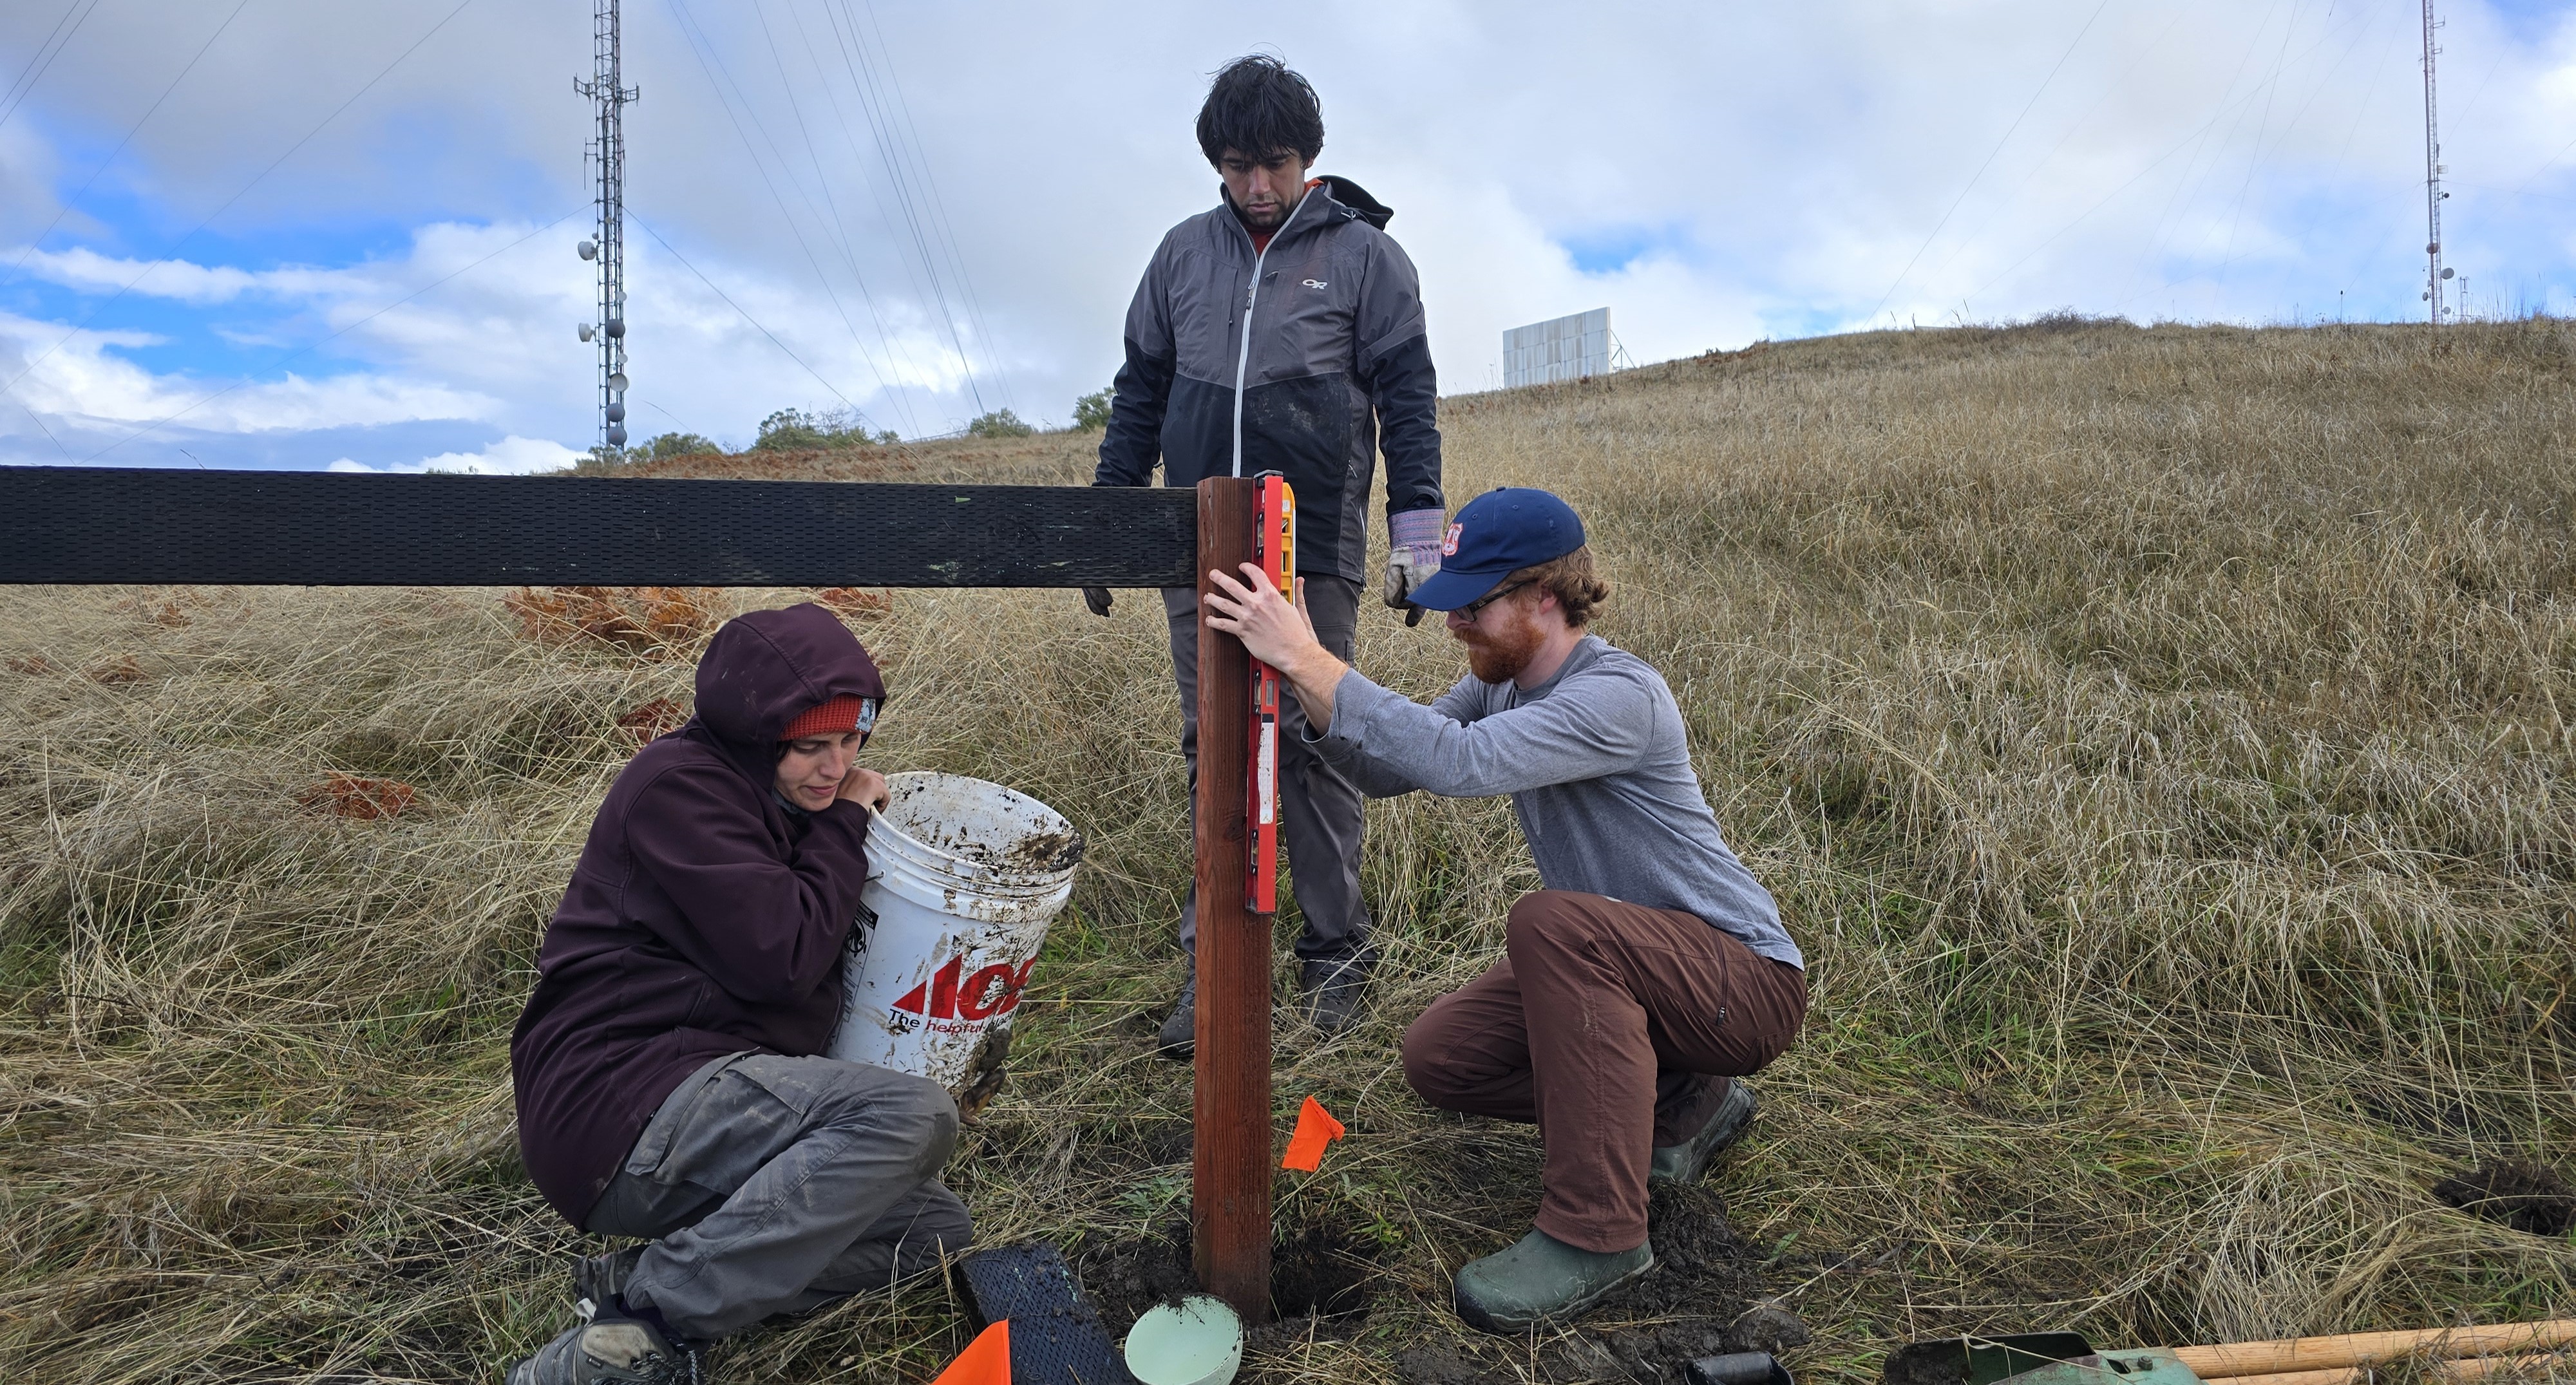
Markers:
point(776, 1185)
point(1319, 809)
point(1613, 1026)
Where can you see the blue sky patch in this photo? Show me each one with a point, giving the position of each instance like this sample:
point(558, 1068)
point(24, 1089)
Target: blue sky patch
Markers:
point(1611, 249)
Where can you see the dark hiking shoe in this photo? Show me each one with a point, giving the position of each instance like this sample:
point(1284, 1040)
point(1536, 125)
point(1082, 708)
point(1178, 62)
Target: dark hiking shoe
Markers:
point(1685, 1162)
point(597, 1280)
point(1334, 987)
point(612, 1350)
point(1540, 1278)
point(1180, 1034)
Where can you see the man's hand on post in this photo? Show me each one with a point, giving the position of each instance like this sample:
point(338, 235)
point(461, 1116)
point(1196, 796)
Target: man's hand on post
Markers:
point(1280, 635)
point(1097, 598)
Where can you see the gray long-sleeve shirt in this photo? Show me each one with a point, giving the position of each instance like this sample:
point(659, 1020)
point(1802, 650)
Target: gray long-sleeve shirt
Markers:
point(1598, 766)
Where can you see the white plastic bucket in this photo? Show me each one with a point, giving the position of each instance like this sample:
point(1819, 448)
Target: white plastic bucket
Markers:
point(964, 877)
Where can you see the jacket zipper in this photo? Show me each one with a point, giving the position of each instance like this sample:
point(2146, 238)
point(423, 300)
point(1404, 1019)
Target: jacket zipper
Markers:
point(1243, 354)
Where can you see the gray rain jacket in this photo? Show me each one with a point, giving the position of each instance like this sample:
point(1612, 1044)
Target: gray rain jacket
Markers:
point(1303, 359)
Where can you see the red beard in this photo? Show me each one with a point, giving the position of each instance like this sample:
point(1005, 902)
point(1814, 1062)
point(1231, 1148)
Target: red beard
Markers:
point(1498, 656)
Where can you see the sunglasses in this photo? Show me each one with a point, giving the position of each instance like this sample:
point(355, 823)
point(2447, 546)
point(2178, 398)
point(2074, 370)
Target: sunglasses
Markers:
point(1477, 607)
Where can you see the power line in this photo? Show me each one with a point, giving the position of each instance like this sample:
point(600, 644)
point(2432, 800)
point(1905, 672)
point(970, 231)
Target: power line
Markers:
point(2185, 142)
point(1990, 158)
point(237, 196)
point(2187, 187)
point(130, 133)
point(939, 214)
point(2254, 161)
point(2109, 90)
point(894, 239)
point(746, 315)
point(24, 85)
point(886, 168)
point(840, 226)
point(938, 207)
point(711, 64)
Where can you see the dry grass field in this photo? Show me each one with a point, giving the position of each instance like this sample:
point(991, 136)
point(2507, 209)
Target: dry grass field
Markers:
point(2155, 737)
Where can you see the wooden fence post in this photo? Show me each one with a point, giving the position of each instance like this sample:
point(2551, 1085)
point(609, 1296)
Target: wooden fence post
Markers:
point(1231, 1154)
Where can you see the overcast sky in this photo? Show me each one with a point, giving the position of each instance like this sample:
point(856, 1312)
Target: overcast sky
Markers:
point(306, 233)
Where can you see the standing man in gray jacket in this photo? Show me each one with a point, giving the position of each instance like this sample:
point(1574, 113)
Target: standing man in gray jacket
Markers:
point(1649, 976)
point(1282, 331)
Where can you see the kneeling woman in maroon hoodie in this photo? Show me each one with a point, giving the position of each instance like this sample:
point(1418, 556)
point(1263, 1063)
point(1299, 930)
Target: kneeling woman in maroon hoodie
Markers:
point(665, 1070)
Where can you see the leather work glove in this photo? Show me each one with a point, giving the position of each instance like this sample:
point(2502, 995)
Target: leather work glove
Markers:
point(1413, 554)
point(1097, 598)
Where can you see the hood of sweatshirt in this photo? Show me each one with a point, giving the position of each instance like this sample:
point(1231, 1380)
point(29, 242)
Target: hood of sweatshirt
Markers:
point(765, 669)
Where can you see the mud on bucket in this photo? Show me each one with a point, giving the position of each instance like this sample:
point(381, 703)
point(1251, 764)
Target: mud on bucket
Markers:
point(964, 877)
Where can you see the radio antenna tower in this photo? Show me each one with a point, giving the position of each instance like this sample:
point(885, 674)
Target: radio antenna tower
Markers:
point(2434, 274)
point(607, 153)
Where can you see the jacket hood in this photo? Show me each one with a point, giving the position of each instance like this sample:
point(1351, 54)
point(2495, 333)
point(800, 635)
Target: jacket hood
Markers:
point(1355, 200)
point(1344, 200)
point(765, 669)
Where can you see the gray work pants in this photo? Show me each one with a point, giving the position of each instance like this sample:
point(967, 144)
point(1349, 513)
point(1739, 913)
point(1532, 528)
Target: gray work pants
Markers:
point(1319, 809)
point(776, 1185)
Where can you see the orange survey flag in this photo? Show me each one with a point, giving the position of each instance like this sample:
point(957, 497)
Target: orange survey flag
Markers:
point(1316, 1128)
point(985, 1361)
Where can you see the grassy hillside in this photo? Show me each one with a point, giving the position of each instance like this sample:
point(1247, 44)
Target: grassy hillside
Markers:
point(2155, 739)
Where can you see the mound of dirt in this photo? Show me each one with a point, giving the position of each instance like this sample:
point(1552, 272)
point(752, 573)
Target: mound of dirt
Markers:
point(1126, 1277)
point(2529, 1197)
point(1318, 1269)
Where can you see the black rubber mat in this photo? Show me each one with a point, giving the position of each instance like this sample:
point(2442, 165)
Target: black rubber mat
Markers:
point(278, 528)
point(1056, 1335)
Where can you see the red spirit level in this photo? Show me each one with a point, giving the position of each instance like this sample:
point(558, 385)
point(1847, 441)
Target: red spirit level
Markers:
point(1275, 548)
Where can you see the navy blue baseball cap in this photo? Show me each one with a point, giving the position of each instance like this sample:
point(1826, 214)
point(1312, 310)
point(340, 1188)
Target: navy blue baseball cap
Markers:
point(1495, 535)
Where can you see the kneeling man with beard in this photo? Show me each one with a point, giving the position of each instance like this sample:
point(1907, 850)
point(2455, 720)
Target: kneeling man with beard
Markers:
point(1647, 979)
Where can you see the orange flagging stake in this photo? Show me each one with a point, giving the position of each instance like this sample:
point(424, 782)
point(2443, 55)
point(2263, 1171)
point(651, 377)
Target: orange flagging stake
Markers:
point(985, 1361)
point(1316, 1128)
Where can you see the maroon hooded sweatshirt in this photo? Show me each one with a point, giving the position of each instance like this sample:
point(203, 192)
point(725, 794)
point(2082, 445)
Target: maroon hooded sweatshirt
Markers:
point(704, 918)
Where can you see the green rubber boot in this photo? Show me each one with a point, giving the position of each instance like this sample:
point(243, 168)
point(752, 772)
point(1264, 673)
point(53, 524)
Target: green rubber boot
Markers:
point(1542, 1277)
point(1685, 1162)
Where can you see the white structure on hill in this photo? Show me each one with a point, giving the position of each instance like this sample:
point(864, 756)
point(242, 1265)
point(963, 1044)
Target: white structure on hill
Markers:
point(1564, 348)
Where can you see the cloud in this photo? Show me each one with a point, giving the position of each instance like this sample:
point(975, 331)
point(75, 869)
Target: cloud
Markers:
point(511, 456)
point(863, 194)
point(73, 377)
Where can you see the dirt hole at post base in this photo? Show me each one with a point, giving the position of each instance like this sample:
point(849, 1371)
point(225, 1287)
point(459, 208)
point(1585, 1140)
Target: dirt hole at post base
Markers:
point(1322, 1267)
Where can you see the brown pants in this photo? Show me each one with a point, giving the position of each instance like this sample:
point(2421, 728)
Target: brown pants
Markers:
point(1615, 1027)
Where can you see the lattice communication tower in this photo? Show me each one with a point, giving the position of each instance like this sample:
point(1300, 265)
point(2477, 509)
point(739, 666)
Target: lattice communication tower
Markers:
point(607, 155)
point(2434, 274)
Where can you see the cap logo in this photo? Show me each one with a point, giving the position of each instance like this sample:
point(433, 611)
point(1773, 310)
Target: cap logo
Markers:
point(1449, 544)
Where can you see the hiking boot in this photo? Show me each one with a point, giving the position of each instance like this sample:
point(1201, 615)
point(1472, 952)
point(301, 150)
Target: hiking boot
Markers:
point(597, 1280)
point(1539, 1278)
point(1685, 1162)
point(1334, 987)
point(612, 1350)
point(1180, 1034)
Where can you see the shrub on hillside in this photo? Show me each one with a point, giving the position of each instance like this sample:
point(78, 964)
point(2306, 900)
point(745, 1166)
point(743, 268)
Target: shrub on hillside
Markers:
point(1001, 423)
point(794, 430)
point(1092, 410)
point(669, 445)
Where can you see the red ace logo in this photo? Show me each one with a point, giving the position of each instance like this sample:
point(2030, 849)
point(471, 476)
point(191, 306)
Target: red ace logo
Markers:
point(995, 990)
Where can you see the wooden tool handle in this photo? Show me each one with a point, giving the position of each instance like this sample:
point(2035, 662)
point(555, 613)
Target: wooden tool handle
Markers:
point(2302, 1355)
point(2464, 1369)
